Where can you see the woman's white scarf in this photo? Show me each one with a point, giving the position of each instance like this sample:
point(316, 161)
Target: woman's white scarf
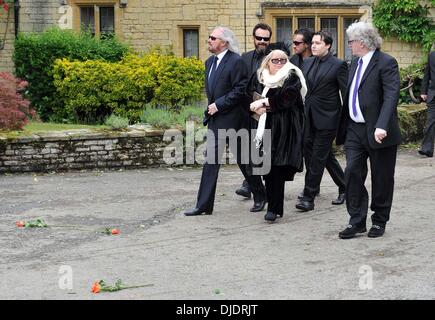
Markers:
point(274, 81)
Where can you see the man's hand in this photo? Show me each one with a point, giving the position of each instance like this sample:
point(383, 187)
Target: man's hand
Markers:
point(423, 97)
point(380, 134)
point(212, 109)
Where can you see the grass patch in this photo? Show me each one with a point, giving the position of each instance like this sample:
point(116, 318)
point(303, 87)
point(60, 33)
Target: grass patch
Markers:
point(35, 127)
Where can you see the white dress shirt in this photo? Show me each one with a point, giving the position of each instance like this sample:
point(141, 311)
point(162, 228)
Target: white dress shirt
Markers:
point(359, 117)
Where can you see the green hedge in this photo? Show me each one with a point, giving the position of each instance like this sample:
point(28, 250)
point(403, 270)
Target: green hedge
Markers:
point(35, 54)
point(92, 90)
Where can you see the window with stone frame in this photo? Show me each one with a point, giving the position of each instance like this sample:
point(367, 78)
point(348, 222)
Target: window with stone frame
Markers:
point(98, 17)
point(332, 19)
point(191, 42)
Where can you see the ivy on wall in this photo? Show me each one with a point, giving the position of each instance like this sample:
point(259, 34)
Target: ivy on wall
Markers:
point(405, 19)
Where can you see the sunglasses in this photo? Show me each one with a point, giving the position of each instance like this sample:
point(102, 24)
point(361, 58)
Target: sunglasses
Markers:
point(212, 38)
point(296, 43)
point(265, 39)
point(279, 61)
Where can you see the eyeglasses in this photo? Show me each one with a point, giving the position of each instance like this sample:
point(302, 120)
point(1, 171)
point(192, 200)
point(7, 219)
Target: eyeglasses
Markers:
point(279, 61)
point(212, 38)
point(265, 39)
point(296, 43)
point(350, 42)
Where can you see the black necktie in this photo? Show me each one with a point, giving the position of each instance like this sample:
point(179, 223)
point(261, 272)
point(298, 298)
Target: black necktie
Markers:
point(212, 75)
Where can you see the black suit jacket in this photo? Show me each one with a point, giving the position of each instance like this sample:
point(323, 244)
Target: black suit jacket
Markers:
point(253, 61)
point(228, 92)
point(428, 83)
point(323, 98)
point(378, 97)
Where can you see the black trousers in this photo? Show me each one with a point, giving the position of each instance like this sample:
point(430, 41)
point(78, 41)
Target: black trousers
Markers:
point(429, 131)
point(318, 155)
point(210, 173)
point(382, 166)
point(275, 183)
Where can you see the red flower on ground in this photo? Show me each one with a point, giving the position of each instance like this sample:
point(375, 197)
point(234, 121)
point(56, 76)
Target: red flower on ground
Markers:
point(20, 224)
point(96, 287)
point(115, 231)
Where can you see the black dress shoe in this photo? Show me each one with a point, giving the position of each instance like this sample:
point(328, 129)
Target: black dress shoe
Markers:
point(258, 206)
point(376, 231)
point(351, 231)
point(270, 216)
point(196, 212)
point(301, 195)
point(340, 199)
point(305, 205)
point(424, 153)
point(244, 191)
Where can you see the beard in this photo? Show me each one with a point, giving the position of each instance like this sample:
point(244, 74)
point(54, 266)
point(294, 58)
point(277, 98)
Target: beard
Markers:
point(261, 48)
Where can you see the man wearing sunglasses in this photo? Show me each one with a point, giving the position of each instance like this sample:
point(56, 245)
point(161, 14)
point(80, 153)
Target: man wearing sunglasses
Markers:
point(226, 78)
point(261, 35)
point(301, 46)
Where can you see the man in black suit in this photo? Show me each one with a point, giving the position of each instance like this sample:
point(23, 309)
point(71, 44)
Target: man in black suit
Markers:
point(302, 50)
point(261, 35)
point(428, 95)
point(226, 80)
point(326, 79)
point(369, 128)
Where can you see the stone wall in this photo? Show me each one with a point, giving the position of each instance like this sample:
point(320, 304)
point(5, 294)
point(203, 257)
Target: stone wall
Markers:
point(79, 149)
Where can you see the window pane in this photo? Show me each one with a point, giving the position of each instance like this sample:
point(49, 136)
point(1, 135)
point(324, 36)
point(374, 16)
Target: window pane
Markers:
point(347, 52)
point(87, 21)
point(107, 21)
point(284, 32)
point(191, 43)
point(330, 25)
point(307, 23)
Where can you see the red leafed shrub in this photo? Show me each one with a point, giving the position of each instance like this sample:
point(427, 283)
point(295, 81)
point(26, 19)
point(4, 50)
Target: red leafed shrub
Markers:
point(14, 109)
point(5, 5)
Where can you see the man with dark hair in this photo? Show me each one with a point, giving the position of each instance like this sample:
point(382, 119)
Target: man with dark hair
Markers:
point(261, 35)
point(326, 78)
point(301, 46)
point(428, 95)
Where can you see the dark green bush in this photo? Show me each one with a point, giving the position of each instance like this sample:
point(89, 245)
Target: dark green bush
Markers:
point(35, 54)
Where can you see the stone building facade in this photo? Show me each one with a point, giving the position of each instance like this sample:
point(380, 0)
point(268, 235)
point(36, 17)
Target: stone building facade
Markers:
point(185, 24)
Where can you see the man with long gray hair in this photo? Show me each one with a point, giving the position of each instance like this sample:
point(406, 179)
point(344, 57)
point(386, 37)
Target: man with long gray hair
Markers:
point(369, 129)
point(226, 78)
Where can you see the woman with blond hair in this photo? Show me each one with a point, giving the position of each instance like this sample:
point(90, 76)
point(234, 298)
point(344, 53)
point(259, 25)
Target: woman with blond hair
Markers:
point(281, 110)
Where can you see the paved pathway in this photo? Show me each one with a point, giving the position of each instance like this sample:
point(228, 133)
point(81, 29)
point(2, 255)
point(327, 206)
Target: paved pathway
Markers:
point(232, 254)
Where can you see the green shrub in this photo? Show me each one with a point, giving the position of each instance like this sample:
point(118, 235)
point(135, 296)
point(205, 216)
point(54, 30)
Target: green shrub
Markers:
point(116, 122)
point(35, 54)
point(410, 78)
point(92, 90)
point(189, 113)
point(158, 118)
